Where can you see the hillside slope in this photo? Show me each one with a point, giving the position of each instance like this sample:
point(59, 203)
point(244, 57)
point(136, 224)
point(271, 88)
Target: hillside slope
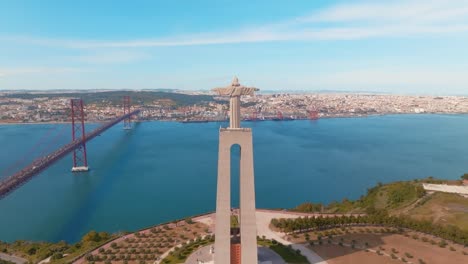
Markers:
point(403, 198)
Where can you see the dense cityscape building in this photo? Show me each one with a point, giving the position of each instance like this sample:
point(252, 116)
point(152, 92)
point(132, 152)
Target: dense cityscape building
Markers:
point(258, 107)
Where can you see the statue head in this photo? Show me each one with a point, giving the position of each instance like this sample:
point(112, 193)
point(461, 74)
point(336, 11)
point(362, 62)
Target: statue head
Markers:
point(235, 81)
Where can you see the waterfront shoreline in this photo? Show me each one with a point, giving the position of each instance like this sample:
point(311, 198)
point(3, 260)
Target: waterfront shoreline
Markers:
point(258, 120)
point(134, 163)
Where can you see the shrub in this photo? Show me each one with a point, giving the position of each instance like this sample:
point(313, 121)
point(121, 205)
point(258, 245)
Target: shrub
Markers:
point(56, 256)
point(408, 255)
point(442, 244)
point(90, 257)
point(95, 236)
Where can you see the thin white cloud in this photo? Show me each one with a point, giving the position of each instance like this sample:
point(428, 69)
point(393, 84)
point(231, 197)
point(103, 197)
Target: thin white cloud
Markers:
point(340, 22)
point(416, 11)
point(112, 57)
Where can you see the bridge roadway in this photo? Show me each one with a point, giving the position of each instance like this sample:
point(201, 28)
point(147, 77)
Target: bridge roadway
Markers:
point(16, 180)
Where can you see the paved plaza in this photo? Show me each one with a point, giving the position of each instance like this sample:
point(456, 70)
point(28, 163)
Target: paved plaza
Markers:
point(203, 256)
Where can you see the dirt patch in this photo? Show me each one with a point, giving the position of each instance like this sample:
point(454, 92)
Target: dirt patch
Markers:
point(335, 254)
point(412, 247)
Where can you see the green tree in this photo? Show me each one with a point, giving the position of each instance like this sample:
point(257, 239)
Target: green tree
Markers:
point(94, 236)
point(32, 251)
point(91, 236)
point(56, 256)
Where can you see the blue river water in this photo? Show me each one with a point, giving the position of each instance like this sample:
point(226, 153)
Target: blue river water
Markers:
point(160, 171)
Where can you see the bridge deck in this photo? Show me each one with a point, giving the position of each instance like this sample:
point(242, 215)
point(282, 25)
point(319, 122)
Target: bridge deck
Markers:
point(14, 181)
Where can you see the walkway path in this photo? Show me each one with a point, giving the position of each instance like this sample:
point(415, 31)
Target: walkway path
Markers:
point(265, 255)
point(165, 254)
point(263, 229)
point(13, 259)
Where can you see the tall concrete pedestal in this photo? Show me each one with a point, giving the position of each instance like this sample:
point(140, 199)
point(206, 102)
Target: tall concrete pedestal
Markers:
point(248, 227)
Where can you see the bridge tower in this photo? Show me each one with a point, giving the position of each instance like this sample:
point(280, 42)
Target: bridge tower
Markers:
point(126, 107)
point(80, 160)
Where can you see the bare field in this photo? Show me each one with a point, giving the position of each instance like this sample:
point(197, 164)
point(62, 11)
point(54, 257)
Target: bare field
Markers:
point(411, 246)
point(334, 254)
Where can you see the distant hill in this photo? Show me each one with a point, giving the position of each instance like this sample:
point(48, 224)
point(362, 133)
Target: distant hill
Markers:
point(115, 97)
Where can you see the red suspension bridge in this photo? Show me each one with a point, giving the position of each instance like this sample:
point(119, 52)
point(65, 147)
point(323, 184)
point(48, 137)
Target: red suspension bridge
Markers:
point(77, 146)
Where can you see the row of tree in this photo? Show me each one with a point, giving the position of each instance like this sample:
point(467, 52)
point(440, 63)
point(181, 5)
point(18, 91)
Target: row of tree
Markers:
point(303, 224)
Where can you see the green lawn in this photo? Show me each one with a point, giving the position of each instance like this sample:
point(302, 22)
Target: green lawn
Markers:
point(392, 196)
point(234, 221)
point(181, 254)
point(443, 208)
point(289, 255)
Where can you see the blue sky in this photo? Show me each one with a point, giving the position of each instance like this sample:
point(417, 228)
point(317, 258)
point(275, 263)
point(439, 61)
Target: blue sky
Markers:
point(384, 46)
